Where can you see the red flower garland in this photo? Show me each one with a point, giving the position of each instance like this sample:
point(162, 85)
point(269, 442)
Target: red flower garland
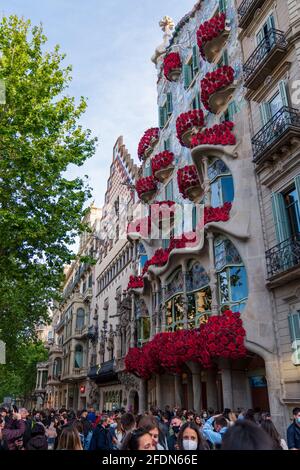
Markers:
point(186, 178)
point(171, 61)
point(147, 141)
point(221, 336)
point(217, 214)
point(161, 160)
point(143, 185)
point(135, 282)
point(219, 134)
point(209, 30)
point(186, 121)
point(214, 81)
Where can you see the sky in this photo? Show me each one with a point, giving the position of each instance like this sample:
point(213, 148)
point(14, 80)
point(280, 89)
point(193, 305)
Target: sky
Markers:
point(109, 43)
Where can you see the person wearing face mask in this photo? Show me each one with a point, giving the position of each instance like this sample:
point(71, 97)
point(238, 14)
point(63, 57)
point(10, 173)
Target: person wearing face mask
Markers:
point(190, 438)
point(293, 431)
point(176, 424)
point(102, 438)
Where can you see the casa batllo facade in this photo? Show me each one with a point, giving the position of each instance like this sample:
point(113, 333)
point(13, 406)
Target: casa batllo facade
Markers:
point(202, 152)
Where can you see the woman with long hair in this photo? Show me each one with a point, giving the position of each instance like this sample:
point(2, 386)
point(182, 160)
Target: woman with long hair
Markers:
point(190, 438)
point(140, 439)
point(268, 426)
point(69, 439)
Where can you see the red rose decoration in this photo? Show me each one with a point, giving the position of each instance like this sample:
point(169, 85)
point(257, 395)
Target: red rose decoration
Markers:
point(135, 282)
point(190, 121)
point(171, 62)
point(214, 81)
point(186, 178)
point(147, 141)
point(209, 30)
point(168, 352)
point(217, 214)
point(219, 134)
point(161, 160)
point(144, 185)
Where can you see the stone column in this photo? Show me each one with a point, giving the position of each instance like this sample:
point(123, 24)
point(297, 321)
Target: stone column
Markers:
point(143, 397)
point(163, 310)
point(178, 394)
point(206, 182)
point(158, 390)
point(211, 390)
point(197, 392)
point(227, 383)
point(184, 295)
point(67, 397)
point(132, 322)
point(118, 342)
point(212, 274)
point(277, 408)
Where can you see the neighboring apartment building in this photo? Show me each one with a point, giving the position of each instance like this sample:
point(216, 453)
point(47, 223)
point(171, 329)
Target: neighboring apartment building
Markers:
point(115, 264)
point(227, 269)
point(270, 36)
point(67, 383)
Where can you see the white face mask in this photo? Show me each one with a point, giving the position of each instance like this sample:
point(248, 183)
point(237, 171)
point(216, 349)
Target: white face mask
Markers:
point(189, 445)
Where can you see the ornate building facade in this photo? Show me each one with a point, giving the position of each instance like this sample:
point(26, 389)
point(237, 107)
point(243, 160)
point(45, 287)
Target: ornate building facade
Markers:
point(67, 383)
point(202, 152)
point(115, 263)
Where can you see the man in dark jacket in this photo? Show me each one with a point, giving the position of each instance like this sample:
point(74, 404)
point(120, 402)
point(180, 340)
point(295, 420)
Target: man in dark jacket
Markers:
point(102, 438)
point(293, 431)
point(13, 432)
point(28, 425)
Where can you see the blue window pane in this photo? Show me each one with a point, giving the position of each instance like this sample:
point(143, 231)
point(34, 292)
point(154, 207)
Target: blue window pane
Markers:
point(238, 283)
point(143, 260)
point(227, 189)
point(216, 198)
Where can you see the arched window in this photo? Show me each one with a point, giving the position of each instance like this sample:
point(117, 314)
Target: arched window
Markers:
point(78, 362)
point(231, 275)
point(221, 183)
point(80, 319)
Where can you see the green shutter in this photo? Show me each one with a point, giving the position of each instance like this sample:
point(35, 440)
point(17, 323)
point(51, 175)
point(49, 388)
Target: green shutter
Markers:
point(195, 59)
point(231, 110)
point(282, 226)
point(197, 102)
point(194, 218)
point(169, 104)
point(169, 191)
point(270, 22)
point(167, 144)
point(222, 6)
point(161, 116)
point(297, 185)
point(283, 93)
point(265, 113)
point(225, 60)
point(187, 75)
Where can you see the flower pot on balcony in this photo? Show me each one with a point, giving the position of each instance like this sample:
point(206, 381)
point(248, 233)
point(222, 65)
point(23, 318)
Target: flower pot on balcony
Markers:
point(174, 75)
point(186, 136)
point(148, 195)
point(163, 174)
point(212, 49)
point(194, 193)
point(149, 150)
point(219, 100)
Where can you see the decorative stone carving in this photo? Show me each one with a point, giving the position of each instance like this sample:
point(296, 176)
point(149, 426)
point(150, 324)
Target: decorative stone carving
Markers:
point(129, 381)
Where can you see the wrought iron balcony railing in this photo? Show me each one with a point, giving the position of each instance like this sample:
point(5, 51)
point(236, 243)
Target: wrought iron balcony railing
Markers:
point(274, 38)
point(274, 130)
point(283, 256)
point(246, 11)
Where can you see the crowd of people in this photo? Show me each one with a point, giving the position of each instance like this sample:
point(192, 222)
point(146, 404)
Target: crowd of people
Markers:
point(156, 430)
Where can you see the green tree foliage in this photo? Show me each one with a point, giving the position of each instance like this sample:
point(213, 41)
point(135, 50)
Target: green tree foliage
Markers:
point(40, 208)
point(20, 374)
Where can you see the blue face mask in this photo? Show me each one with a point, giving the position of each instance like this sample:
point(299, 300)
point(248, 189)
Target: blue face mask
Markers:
point(113, 425)
point(298, 420)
